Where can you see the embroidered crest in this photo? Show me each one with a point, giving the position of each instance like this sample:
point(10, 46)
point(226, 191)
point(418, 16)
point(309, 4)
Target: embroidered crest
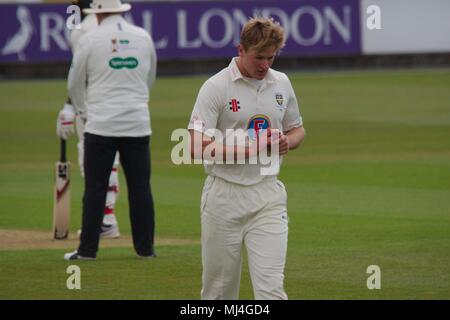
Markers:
point(279, 98)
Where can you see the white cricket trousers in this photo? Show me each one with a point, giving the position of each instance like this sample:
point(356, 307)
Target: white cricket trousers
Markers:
point(234, 216)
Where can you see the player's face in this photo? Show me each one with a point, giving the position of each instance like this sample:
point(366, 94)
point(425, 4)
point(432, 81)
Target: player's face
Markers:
point(255, 64)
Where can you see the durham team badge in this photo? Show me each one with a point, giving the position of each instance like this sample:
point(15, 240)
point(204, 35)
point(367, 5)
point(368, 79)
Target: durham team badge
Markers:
point(280, 100)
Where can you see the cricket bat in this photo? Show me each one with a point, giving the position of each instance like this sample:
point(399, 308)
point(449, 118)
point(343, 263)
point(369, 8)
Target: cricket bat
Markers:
point(61, 204)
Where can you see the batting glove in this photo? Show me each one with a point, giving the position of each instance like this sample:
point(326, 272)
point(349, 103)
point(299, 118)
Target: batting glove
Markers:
point(64, 123)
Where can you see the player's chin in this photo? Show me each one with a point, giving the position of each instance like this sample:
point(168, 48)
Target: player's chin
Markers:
point(260, 75)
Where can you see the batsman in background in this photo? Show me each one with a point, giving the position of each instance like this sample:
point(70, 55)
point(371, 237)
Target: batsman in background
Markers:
point(65, 127)
point(240, 206)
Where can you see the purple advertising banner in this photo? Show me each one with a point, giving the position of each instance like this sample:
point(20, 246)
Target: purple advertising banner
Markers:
point(189, 30)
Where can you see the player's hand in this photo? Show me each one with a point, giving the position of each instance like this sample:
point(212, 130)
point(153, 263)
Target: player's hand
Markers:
point(283, 144)
point(65, 122)
point(262, 143)
point(278, 142)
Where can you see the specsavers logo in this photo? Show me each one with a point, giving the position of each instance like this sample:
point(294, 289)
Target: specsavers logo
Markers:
point(119, 63)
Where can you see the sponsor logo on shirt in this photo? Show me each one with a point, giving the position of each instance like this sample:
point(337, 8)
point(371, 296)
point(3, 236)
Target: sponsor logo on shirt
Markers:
point(120, 45)
point(234, 105)
point(114, 47)
point(119, 63)
point(257, 124)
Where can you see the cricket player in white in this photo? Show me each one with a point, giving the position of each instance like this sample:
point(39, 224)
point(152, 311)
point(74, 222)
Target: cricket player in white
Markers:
point(239, 205)
point(65, 127)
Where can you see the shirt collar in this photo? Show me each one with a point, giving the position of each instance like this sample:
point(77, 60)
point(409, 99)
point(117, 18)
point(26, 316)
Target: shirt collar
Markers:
point(236, 73)
point(234, 70)
point(112, 19)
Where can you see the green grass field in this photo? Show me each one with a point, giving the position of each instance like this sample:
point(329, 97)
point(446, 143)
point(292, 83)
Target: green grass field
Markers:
point(369, 186)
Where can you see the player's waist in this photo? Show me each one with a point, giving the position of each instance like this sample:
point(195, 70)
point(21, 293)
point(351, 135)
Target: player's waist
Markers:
point(242, 182)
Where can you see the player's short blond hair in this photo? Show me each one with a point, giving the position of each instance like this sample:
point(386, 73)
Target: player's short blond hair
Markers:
point(260, 33)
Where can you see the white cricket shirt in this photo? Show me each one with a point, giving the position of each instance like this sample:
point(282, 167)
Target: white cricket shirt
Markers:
point(114, 65)
point(229, 101)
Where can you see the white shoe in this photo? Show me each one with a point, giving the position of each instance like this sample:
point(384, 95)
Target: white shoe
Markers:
point(106, 231)
point(75, 256)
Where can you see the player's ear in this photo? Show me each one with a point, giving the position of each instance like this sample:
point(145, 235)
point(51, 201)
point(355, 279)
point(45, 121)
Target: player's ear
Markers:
point(241, 49)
